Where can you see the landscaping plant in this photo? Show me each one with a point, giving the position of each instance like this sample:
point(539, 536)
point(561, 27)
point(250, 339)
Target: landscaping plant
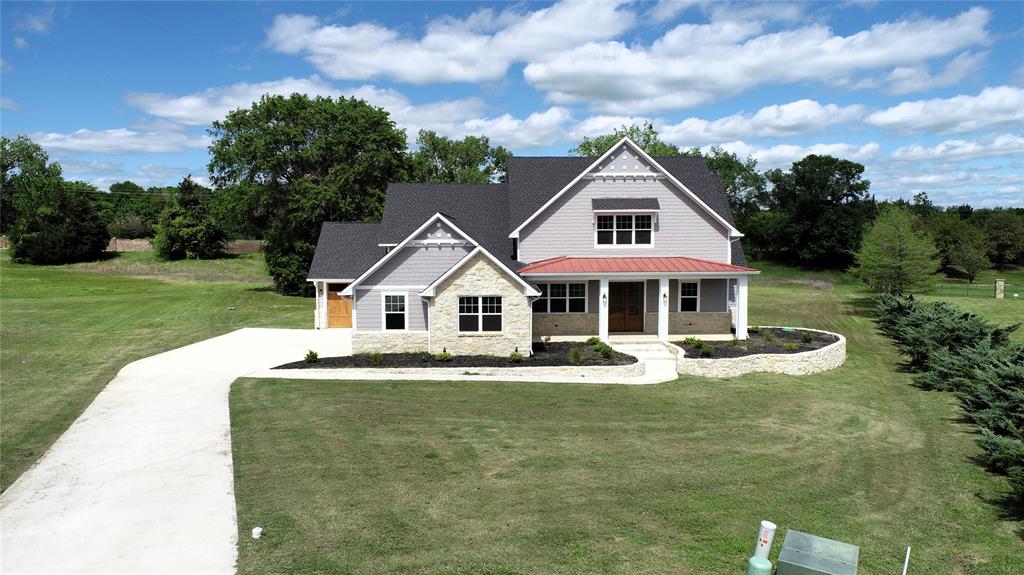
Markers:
point(807, 337)
point(443, 357)
point(575, 356)
point(516, 357)
point(377, 359)
point(312, 357)
point(790, 347)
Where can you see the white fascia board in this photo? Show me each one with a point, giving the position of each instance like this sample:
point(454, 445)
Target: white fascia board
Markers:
point(431, 289)
point(733, 232)
point(403, 243)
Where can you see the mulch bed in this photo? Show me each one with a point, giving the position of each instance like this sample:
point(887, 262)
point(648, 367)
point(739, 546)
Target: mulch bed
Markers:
point(552, 354)
point(758, 343)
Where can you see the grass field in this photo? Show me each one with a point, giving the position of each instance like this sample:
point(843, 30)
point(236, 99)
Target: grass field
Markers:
point(65, 331)
point(457, 477)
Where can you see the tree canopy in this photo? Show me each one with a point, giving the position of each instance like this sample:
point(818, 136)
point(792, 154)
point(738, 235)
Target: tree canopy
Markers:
point(896, 256)
point(745, 186)
point(55, 222)
point(644, 136)
point(293, 162)
point(187, 228)
point(20, 159)
point(471, 160)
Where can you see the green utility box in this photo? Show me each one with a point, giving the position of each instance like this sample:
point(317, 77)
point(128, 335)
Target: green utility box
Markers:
point(806, 554)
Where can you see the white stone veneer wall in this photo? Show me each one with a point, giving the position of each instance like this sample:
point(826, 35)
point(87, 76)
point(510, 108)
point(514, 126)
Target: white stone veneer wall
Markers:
point(803, 363)
point(389, 341)
point(480, 277)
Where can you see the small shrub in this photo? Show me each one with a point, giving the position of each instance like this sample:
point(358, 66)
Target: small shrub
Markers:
point(768, 336)
point(575, 356)
point(790, 347)
point(593, 340)
point(604, 350)
point(807, 337)
point(694, 341)
point(516, 357)
point(377, 359)
point(443, 357)
point(754, 329)
point(705, 349)
point(312, 357)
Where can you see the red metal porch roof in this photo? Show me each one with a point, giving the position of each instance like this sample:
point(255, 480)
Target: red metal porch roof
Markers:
point(675, 264)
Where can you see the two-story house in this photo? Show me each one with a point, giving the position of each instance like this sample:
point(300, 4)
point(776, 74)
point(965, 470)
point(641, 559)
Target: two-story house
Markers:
point(569, 246)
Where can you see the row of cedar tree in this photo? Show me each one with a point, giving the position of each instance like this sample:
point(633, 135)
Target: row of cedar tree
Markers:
point(960, 352)
point(282, 167)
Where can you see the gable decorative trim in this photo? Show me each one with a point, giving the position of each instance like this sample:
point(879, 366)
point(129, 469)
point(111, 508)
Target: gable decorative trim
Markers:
point(733, 232)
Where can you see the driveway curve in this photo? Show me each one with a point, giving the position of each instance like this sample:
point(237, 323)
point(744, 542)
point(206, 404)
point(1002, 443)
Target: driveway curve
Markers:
point(142, 481)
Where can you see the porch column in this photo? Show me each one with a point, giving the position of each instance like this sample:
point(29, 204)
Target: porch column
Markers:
point(741, 307)
point(316, 308)
point(663, 309)
point(602, 310)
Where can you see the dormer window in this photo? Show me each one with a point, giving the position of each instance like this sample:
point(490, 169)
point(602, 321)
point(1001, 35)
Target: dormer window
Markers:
point(624, 229)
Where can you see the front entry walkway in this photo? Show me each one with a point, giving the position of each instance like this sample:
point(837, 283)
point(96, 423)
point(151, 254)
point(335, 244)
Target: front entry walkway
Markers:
point(142, 481)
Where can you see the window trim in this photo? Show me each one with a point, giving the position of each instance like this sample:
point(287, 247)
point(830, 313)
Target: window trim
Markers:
point(479, 315)
point(586, 298)
point(653, 214)
point(680, 296)
point(384, 310)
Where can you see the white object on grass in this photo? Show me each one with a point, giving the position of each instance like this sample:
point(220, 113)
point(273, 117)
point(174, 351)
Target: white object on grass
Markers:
point(906, 561)
point(763, 545)
point(256, 532)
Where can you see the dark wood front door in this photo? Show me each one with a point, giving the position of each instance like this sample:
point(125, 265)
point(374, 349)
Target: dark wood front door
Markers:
point(626, 307)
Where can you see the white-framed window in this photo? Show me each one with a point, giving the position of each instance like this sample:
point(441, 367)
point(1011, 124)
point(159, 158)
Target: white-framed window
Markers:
point(561, 298)
point(689, 296)
point(624, 229)
point(394, 311)
point(479, 313)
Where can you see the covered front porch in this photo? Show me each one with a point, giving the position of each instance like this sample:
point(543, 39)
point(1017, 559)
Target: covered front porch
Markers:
point(579, 299)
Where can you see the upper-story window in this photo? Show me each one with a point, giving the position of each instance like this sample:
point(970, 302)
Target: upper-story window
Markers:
point(624, 229)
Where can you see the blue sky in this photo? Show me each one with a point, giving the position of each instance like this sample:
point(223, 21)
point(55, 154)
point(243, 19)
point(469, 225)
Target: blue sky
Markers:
point(929, 96)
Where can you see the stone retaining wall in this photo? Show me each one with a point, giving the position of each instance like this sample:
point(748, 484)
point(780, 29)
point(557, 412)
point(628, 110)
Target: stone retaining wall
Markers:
point(603, 372)
point(803, 363)
point(389, 341)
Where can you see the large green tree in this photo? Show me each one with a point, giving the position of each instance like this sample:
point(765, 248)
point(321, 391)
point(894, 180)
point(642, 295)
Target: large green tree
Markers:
point(20, 160)
point(969, 254)
point(187, 228)
point(292, 163)
point(56, 222)
point(821, 206)
point(644, 136)
point(1005, 231)
point(471, 160)
point(897, 256)
point(744, 185)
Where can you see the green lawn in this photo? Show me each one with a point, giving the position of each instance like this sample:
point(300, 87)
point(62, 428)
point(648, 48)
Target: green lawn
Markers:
point(65, 331)
point(457, 477)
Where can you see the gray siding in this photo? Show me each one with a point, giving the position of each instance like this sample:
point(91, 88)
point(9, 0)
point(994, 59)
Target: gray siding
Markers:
point(713, 294)
point(368, 309)
point(651, 290)
point(593, 296)
point(417, 266)
point(566, 228)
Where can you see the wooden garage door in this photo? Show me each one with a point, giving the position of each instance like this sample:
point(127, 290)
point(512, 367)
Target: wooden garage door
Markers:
point(339, 309)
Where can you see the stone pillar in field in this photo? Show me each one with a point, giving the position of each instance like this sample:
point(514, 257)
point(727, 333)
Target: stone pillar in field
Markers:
point(1000, 288)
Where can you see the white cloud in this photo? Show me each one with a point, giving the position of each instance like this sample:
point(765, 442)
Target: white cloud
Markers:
point(782, 155)
point(599, 125)
point(20, 43)
point(1003, 146)
point(119, 141)
point(697, 63)
point(454, 118)
point(665, 10)
point(958, 179)
point(993, 107)
point(41, 21)
point(802, 117)
point(479, 48)
point(904, 80)
point(9, 105)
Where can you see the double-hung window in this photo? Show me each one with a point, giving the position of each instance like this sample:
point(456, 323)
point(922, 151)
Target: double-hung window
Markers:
point(479, 313)
point(561, 298)
point(394, 311)
point(689, 293)
point(624, 229)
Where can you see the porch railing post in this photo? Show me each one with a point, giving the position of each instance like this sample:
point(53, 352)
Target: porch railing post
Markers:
point(602, 311)
point(741, 307)
point(663, 309)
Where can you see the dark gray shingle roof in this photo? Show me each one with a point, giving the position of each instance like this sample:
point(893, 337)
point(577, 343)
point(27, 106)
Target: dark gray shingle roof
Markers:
point(345, 250)
point(480, 210)
point(625, 204)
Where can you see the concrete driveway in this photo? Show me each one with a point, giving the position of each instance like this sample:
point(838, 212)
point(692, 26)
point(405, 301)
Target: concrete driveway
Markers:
point(142, 481)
